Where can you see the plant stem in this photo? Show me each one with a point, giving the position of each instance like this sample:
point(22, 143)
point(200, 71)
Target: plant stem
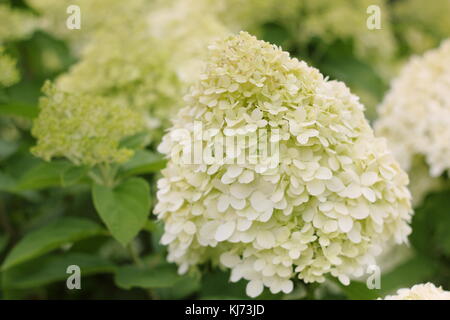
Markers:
point(138, 262)
point(4, 221)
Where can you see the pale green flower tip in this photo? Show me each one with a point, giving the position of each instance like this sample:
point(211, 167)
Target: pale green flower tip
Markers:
point(333, 202)
point(83, 128)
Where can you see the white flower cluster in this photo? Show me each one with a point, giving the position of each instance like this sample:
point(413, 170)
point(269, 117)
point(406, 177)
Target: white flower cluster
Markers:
point(415, 114)
point(427, 291)
point(333, 201)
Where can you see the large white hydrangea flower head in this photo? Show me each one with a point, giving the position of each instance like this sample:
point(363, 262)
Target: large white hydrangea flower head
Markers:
point(327, 206)
point(427, 291)
point(415, 114)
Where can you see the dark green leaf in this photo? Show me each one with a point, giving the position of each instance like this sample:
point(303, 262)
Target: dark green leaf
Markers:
point(357, 290)
point(7, 183)
point(7, 148)
point(137, 141)
point(162, 276)
point(52, 236)
point(3, 241)
point(143, 162)
point(19, 109)
point(183, 288)
point(73, 175)
point(42, 175)
point(52, 268)
point(416, 270)
point(431, 222)
point(275, 33)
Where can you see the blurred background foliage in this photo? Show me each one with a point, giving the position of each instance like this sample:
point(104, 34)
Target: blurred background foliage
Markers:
point(47, 217)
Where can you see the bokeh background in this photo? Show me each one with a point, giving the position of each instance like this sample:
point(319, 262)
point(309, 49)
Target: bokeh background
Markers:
point(142, 55)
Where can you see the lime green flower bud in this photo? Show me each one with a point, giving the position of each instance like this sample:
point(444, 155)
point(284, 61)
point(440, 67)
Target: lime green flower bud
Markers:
point(83, 128)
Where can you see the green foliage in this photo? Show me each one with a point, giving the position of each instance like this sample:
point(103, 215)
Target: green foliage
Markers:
point(42, 175)
point(123, 208)
point(50, 237)
point(52, 268)
point(163, 276)
point(417, 269)
point(431, 223)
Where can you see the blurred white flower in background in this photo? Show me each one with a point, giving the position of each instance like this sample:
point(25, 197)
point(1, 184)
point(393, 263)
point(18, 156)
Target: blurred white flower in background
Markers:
point(15, 24)
point(329, 207)
point(427, 291)
point(415, 115)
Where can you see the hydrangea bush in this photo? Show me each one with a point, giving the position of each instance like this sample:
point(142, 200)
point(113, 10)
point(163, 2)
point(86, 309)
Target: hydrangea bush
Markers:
point(268, 175)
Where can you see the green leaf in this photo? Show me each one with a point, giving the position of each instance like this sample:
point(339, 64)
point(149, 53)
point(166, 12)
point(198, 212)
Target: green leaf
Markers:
point(73, 175)
point(163, 276)
point(4, 238)
point(137, 141)
point(430, 225)
point(52, 236)
point(275, 33)
point(7, 183)
point(52, 268)
point(143, 162)
point(42, 175)
point(125, 208)
point(7, 148)
point(19, 109)
point(357, 290)
point(183, 288)
point(416, 270)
